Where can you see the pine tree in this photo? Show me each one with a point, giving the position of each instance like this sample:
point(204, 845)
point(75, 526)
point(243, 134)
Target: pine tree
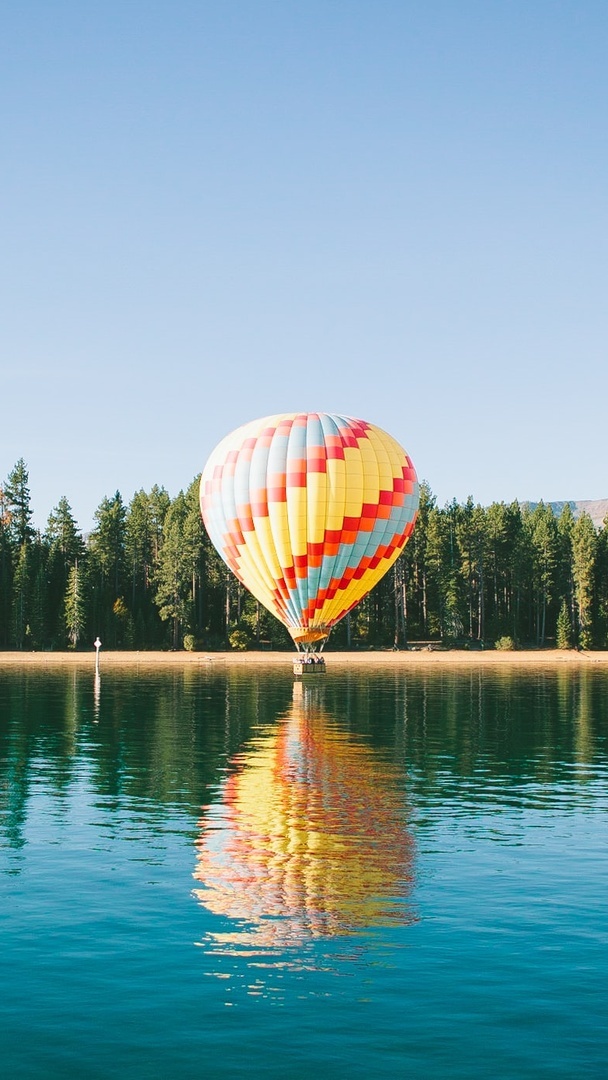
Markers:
point(400, 604)
point(75, 605)
point(62, 533)
point(21, 597)
point(214, 597)
point(503, 532)
point(471, 540)
point(584, 547)
point(565, 580)
point(563, 637)
point(544, 548)
point(39, 595)
point(601, 584)
point(194, 551)
point(173, 574)
point(143, 539)
point(65, 548)
point(6, 573)
point(17, 496)
point(107, 567)
point(416, 570)
point(443, 576)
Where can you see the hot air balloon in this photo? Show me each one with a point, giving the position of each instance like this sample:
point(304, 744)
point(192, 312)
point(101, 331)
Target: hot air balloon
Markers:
point(309, 510)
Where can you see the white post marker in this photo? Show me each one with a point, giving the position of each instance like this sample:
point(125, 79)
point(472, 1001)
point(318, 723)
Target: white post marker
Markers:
point(97, 644)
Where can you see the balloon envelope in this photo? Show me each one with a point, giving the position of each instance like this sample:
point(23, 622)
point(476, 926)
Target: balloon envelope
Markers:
point(309, 510)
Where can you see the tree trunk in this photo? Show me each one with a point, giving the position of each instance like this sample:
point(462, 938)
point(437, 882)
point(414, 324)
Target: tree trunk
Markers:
point(481, 606)
point(227, 607)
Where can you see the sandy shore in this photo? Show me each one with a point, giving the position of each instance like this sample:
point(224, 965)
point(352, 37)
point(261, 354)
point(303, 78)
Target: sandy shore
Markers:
point(422, 658)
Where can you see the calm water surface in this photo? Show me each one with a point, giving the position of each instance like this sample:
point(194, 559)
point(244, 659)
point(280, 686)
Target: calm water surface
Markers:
point(208, 873)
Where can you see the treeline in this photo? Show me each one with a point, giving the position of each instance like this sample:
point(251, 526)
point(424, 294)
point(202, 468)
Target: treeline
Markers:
point(147, 577)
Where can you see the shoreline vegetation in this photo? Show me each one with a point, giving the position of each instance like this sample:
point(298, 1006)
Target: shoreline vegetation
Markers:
point(147, 577)
point(413, 658)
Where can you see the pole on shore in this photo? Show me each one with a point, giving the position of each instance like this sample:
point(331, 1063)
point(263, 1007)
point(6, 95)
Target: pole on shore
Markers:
point(97, 644)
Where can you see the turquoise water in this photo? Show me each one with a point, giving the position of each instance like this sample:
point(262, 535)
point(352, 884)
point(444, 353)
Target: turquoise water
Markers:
point(212, 874)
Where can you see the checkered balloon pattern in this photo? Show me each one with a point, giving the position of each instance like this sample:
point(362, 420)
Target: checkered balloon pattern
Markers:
point(309, 510)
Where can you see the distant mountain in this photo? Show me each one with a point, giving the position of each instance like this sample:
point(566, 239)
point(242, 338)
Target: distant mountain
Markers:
point(596, 508)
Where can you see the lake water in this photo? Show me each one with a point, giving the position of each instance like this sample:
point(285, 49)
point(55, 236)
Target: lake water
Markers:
point(213, 873)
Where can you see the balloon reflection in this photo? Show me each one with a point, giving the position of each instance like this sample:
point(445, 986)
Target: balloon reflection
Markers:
point(309, 839)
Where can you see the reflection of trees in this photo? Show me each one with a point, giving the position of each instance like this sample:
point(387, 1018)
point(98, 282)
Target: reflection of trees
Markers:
point(164, 739)
point(310, 837)
point(513, 724)
point(160, 739)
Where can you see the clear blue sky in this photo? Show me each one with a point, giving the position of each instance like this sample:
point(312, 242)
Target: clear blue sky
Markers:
point(213, 211)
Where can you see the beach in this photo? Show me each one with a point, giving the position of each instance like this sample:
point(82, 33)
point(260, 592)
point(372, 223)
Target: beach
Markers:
point(410, 658)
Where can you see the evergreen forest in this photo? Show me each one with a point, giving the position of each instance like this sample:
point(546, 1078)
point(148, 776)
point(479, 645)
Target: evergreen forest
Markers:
point(147, 577)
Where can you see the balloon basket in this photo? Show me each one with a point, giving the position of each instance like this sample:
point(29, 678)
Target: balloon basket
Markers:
point(310, 664)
